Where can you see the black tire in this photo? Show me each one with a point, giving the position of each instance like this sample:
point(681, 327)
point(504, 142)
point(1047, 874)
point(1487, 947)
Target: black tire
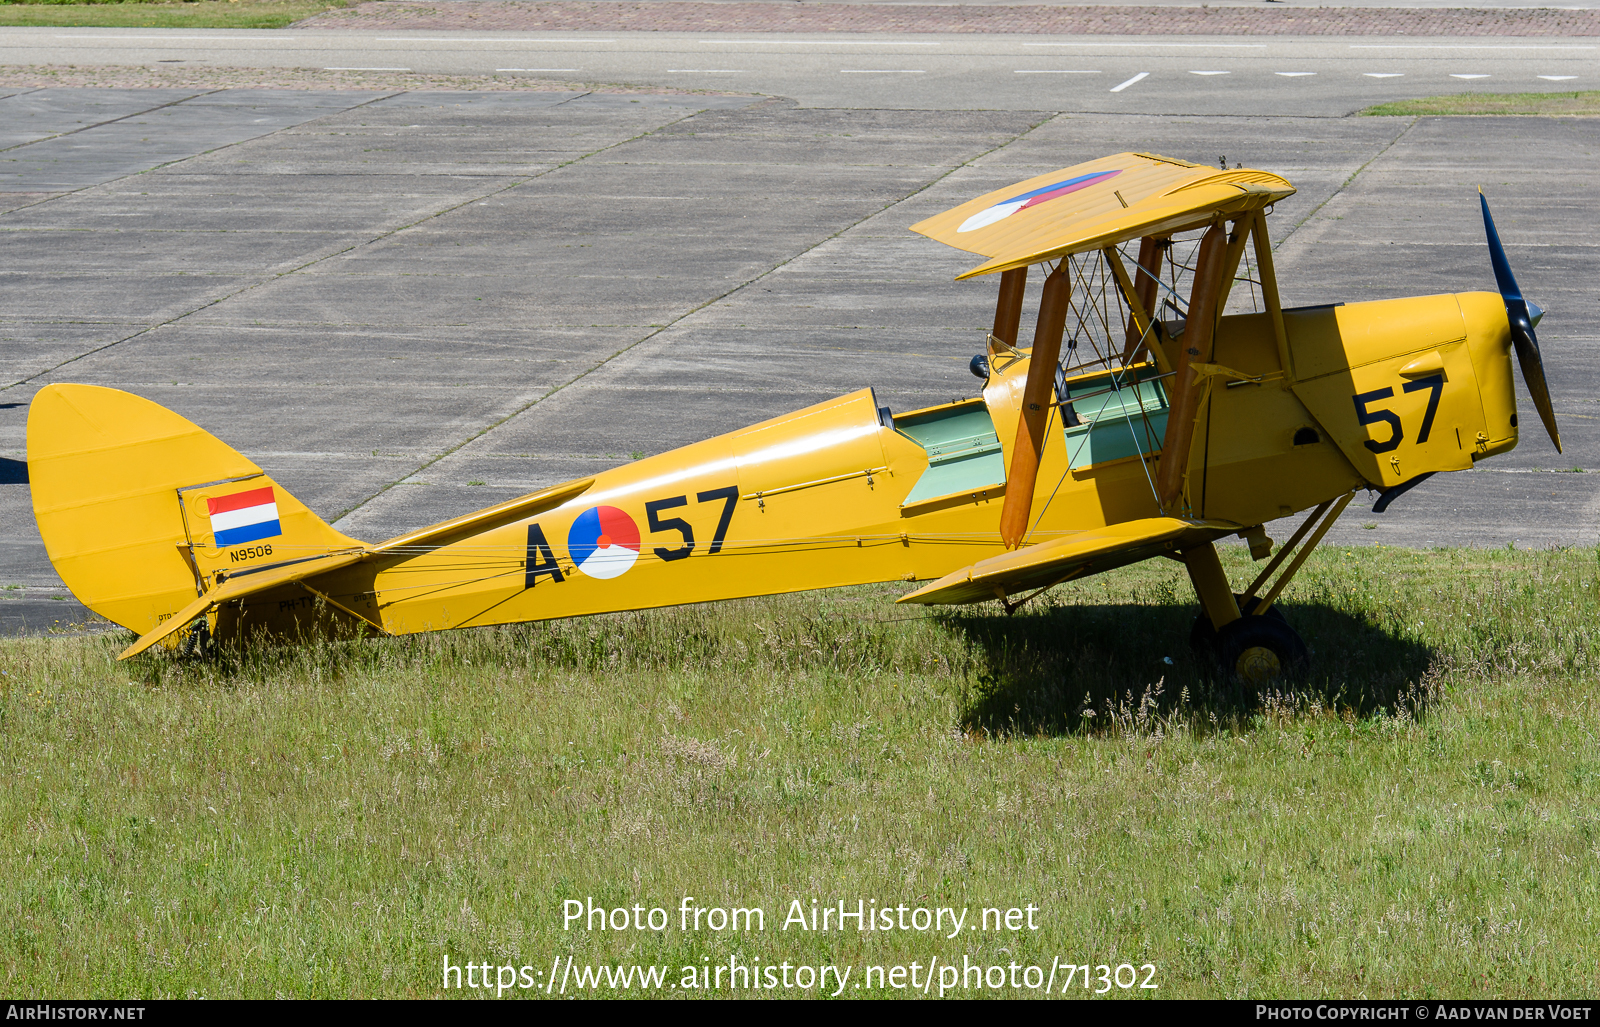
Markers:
point(1203, 637)
point(1258, 651)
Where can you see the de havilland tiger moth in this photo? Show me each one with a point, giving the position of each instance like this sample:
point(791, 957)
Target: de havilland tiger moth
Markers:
point(1165, 401)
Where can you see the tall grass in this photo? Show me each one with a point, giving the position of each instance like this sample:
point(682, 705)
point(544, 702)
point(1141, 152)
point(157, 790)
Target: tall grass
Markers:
point(1416, 818)
point(190, 14)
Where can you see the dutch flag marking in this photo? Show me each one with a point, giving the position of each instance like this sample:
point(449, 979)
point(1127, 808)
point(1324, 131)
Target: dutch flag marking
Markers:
point(243, 517)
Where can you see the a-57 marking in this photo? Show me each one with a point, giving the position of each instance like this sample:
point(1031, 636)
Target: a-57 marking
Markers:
point(541, 560)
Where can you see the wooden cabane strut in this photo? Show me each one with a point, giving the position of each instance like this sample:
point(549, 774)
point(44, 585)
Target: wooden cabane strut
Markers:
point(1037, 407)
point(1196, 345)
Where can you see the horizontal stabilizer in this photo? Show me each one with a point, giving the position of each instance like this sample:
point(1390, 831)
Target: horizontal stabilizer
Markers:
point(251, 582)
point(1076, 556)
point(239, 586)
point(492, 517)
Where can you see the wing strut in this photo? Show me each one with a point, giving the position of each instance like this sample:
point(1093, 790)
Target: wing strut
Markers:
point(1150, 249)
point(1008, 311)
point(1194, 346)
point(1269, 289)
point(1036, 406)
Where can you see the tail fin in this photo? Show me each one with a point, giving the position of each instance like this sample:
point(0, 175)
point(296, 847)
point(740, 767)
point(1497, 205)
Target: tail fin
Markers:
point(140, 509)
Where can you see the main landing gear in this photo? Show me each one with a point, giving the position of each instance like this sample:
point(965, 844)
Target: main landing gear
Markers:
point(1245, 635)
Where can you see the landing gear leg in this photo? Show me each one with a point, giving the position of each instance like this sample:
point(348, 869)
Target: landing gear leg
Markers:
point(1245, 645)
point(1323, 519)
point(1246, 635)
point(1258, 650)
point(1217, 602)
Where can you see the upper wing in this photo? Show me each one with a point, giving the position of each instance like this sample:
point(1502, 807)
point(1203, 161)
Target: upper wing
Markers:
point(1098, 204)
point(1075, 556)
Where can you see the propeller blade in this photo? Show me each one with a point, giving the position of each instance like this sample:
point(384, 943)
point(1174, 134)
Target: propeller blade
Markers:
point(1533, 374)
point(1503, 278)
point(1522, 320)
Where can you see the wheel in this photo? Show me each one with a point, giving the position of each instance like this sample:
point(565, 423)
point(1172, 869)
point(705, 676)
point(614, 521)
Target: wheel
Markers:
point(1203, 637)
point(1257, 651)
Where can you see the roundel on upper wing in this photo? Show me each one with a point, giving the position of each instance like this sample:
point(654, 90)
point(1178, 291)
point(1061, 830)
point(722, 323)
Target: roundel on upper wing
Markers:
point(1022, 201)
point(603, 542)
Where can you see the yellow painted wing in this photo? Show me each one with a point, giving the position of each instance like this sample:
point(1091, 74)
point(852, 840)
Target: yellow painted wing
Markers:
point(1097, 204)
point(1075, 556)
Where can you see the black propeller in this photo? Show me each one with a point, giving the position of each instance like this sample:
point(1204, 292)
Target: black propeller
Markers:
point(1523, 316)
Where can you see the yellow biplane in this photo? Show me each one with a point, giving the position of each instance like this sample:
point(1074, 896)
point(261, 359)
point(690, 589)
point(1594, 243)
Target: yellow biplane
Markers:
point(1166, 401)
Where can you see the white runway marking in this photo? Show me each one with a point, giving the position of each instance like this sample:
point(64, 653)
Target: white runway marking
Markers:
point(1209, 46)
point(1137, 78)
point(1026, 71)
point(426, 39)
point(1384, 74)
point(1294, 74)
point(570, 70)
point(1468, 76)
point(1557, 78)
point(223, 39)
point(817, 42)
point(1208, 72)
point(366, 69)
point(881, 71)
point(1457, 46)
point(705, 71)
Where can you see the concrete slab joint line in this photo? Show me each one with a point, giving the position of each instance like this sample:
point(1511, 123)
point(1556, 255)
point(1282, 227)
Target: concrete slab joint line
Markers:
point(222, 137)
point(108, 121)
point(488, 428)
point(689, 16)
point(213, 301)
point(1345, 184)
point(674, 322)
point(273, 276)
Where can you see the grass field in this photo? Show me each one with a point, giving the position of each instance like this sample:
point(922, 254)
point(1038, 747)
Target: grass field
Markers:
point(1420, 819)
point(163, 14)
point(1575, 104)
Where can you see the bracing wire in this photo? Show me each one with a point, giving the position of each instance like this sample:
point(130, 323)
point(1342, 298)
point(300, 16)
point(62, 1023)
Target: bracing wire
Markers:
point(1092, 308)
point(1118, 382)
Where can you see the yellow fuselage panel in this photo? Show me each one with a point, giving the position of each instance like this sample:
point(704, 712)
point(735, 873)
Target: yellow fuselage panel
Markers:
point(807, 501)
point(1489, 343)
point(1259, 453)
point(804, 501)
point(1397, 385)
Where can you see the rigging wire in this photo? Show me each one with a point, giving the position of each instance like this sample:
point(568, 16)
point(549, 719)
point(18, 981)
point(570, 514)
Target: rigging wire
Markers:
point(1144, 451)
